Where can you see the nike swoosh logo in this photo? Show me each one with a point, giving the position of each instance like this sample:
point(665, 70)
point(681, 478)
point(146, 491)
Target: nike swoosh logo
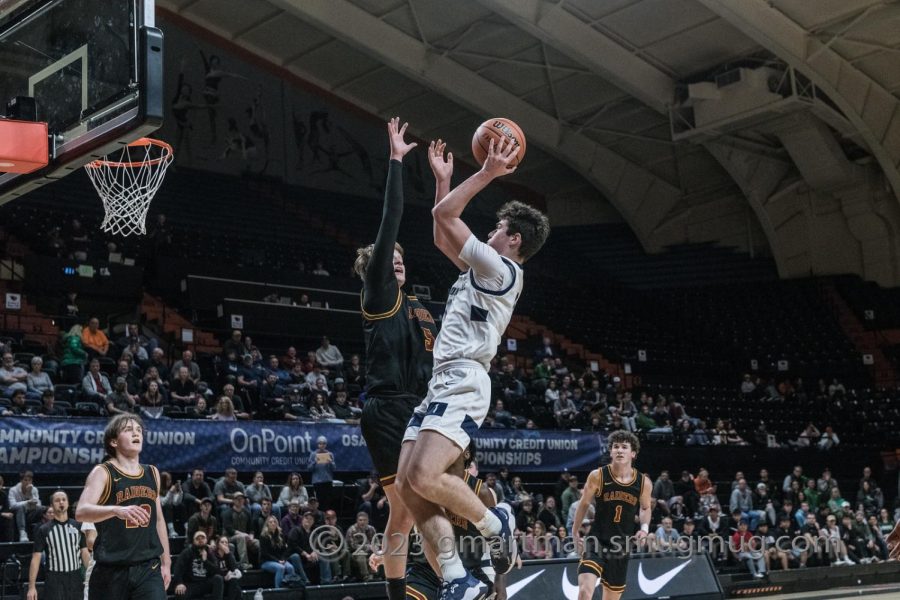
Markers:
point(519, 585)
point(117, 480)
point(571, 591)
point(651, 586)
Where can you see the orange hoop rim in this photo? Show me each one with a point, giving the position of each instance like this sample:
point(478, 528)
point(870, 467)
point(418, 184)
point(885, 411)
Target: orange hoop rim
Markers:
point(144, 141)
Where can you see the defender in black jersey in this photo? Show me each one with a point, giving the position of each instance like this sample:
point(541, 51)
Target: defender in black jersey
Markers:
point(400, 334)
point(421, 581)
point(621, 496)
point(121, 497)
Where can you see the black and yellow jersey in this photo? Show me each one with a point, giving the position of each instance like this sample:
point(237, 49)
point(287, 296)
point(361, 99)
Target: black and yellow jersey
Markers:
point(121, 542)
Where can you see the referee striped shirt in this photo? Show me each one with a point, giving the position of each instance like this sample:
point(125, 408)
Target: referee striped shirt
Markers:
point(62, 541)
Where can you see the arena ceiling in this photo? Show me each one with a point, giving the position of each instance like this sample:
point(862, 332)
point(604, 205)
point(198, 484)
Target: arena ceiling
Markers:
point(594, 83)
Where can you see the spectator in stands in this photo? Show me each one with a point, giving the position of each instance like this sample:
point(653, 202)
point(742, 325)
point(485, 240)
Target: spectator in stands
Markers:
point(203, 520)
point(549, 514)
point(95, 384)
point(809, 434)
point(292, 518)
point(795, 475)
point(666, 535)
point(234, 344)
point(525, 515)
point(825, 484)
point(248, 378)
point(153, 401)
point(133, 338)
point(73, 356)
point(94, 340)
point(224, 410)
point(17, 407)
point(119, 400)
point(564, 411)
point(183, 390)
point(224, 559)
point(551, 394)
point(273, 552)
point(265, 511)
point(271, 398)
point(705, 488)
point(837, 549)
point(811, 494)
point(490, 480)
point(282, 376)
point(239, 410)
point(25, 504)
point(237, 524)
point(303, 554)
point(341, 409)
point(789, 542)
point(537, 543)
point(132, 374)
point(226, 488)
point(68, 311)
point(663, 491)
point(715, 529)
point(328, 356)
point(836, 504)
point(171, 497)
point(12, 378)
point(747, 385)
point(869, 499)
point(764, 505)
point(293, 489)
point(48, 406)
point(829, 439)
point(875, 539)
point(187, 361)
point(360, 536)
point(321, 465)
point(158, 360)
point(571, 495)
point(257, 492)
point(37, 380)
point(195, 491)
point(355, 374)
point(885, 522)
point(320, 270)
point(745, 552)
point(319, 409)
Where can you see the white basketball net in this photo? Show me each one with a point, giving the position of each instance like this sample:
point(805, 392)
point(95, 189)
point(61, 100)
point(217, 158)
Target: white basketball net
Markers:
point(128, 184)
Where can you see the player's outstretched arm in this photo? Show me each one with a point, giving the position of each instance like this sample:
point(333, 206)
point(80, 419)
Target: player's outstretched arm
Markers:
point(443, 170)
point(380, 279)
point(448, 211)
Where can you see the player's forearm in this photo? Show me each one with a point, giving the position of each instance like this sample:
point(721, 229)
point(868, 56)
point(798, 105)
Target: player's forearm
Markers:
point(441, 189)
point(391, 215)
point(94, 513)
point(454, 203)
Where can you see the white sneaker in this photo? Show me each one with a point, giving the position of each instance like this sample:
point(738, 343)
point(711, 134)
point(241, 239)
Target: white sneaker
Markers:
point(758, 576)
point(23, 536)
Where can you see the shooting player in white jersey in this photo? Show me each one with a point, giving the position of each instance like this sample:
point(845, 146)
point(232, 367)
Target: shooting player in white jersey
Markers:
point(479, 307)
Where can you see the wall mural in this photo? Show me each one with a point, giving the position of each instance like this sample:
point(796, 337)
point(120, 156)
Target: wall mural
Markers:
point(228, 116)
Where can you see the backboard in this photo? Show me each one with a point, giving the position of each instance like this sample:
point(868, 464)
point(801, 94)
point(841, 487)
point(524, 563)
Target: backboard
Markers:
point(94, 70)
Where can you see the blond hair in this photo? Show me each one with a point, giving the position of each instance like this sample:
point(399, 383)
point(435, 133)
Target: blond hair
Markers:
point(364, 255)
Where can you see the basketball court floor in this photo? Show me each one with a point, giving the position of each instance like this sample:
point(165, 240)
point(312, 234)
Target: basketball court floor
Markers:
point(872, 592)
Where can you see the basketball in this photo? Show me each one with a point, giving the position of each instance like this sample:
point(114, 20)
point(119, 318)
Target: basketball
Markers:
point(497, 129)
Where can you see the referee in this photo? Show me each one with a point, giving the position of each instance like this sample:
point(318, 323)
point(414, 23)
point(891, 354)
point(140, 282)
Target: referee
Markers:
point(66, 551)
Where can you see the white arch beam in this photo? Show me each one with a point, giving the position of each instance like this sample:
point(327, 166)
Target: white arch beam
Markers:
point(557, 27)
point(874, 111)
point(642, 198)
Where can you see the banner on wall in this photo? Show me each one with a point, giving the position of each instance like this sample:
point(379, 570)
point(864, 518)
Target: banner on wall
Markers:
point(72, 445)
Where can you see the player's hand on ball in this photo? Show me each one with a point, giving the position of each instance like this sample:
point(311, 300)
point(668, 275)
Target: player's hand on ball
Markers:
point(499, 158)
point(134, 514)
point(440, 166)
point(399, 147)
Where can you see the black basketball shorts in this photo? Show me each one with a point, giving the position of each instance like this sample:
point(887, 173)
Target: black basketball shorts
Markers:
point(612, 569)
point(383, 424)
point(142, 581)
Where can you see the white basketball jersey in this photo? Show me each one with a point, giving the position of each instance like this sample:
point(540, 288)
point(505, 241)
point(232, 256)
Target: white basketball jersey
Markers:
point(475, 317)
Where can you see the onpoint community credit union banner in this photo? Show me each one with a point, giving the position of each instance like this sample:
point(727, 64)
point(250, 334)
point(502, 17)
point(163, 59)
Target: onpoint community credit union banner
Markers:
point(72, 445)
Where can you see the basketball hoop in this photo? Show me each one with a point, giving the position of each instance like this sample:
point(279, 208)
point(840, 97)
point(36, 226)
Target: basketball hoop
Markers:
point(127, 185)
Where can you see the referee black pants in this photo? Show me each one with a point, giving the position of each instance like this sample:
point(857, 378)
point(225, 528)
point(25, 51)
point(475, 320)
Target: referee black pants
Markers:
point(63, 585)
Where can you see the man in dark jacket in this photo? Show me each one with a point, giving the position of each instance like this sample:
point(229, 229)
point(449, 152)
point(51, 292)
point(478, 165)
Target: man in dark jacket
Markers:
point(196, 573)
